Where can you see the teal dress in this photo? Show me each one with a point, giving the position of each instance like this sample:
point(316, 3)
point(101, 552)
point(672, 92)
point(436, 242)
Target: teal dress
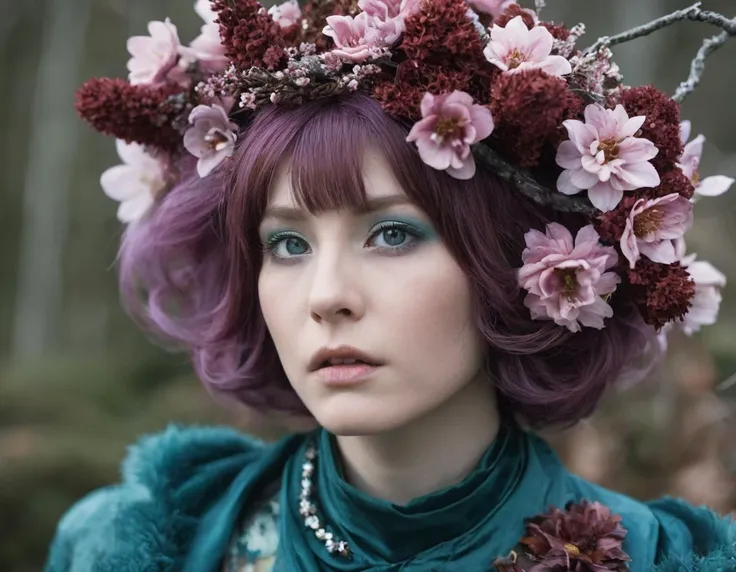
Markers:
point(211, 500)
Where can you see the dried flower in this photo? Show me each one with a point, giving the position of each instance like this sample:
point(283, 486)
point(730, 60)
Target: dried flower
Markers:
point(604, 156)
point(662, 292)
point(515, 48)
point(442, 34)
point(566, 281)
point(652, 227)
point(139, 113)
point(585, 537)
point(528, 109)
point(286, 14)
point(155, 57)
point(662, 126)
point(513, 10)
point(211, 137)
point(136, 183)
point(450, 124)
point(249, 34)
point(690, 162)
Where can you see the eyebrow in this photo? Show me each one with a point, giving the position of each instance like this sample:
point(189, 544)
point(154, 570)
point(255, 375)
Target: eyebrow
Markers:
point(372, 205)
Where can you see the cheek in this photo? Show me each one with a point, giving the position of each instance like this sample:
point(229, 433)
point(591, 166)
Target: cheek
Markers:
point(434, 310)
point(274, 297)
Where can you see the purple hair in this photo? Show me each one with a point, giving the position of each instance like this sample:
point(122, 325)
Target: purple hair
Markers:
point(189, 271)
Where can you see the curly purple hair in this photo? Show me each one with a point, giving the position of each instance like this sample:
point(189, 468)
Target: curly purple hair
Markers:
point(189, 271)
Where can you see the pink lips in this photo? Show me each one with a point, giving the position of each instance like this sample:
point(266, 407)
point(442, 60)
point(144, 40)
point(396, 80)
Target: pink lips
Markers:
point(345, 374)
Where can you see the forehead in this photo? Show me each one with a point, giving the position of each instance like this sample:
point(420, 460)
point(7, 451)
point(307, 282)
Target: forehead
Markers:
point(369, 178)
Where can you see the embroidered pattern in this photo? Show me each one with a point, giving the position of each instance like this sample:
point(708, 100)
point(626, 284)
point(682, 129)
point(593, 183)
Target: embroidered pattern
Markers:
point(253, 547)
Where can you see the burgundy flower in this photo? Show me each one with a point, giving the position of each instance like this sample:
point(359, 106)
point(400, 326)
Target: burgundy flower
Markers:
point(585, 537)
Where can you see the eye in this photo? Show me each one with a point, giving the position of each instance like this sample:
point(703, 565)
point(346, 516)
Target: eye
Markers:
point(286, 245)
point(393, 236)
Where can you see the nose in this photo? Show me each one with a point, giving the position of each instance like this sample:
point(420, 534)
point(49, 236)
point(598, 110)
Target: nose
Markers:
point(335, 294)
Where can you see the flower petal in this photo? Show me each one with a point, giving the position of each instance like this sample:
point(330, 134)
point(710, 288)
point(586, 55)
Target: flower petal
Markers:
point(604, 197)
point(638, 175)
point(662, 251)
point(714, 186)
point(564, 184)
point(568, 156)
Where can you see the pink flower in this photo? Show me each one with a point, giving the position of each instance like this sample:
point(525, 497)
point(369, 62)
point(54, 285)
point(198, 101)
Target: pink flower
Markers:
point(690, 162)
point(206, 50)
point(385, 10)
point(515, 48)
point(204, 10)
point(212, 137)
point(652, 227)
point(493, 8)
point(566, 282)
point(155, 56)
point(356, 39)
point(450, 124)
point(707, 300)
point(286, 14)
point(136, 183)
point(604, 157)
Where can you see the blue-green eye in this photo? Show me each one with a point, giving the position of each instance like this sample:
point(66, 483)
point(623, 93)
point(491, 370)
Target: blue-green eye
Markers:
point(284, 245)
point(394, 237)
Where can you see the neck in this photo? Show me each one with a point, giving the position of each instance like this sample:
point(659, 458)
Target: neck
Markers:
point(431, 453)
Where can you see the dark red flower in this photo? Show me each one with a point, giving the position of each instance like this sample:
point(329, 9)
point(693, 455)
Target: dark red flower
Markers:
point(441, 33)
point(662, 126)
point(401, 97)
point(249, 34)
point(672, 181)
point(585, 537)
point(135, 113)
point(610, 225)
point(558, 31)
point(662, 292)
point(528, 110)
point(512, 12)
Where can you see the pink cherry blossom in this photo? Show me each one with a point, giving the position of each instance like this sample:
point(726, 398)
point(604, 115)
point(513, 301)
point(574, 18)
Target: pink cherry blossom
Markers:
point(567, 282)
point(707, 299)
point(652, 227)
point(204, 10)
point(385, 10)
point(286, 14)
point(494, 8)
point(155, 57)
point(136, 183)
point(604, 157)
point(515, 48)
point(211, 138)
point(356, 39)
point(690, 162)
point(450, 124)
point(206, 50)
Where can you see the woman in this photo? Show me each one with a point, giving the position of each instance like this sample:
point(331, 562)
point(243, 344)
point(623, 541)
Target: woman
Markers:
point(339, 251)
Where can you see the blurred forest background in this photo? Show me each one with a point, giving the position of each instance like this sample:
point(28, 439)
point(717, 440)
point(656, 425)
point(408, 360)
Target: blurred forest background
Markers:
point(78, 381)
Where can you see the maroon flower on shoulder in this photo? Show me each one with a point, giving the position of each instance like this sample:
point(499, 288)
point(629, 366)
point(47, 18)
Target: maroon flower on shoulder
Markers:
point(585, 537)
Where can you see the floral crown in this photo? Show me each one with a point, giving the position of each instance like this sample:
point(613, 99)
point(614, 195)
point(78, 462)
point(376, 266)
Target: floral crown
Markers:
point(478, 80)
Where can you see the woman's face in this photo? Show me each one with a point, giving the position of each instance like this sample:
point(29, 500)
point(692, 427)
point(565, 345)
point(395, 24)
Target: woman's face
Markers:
point(380, 282)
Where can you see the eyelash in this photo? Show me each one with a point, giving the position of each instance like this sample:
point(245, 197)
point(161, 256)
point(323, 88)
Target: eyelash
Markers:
point(416, 236)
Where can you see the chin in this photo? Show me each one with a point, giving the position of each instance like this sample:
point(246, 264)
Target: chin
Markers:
point(353, 416)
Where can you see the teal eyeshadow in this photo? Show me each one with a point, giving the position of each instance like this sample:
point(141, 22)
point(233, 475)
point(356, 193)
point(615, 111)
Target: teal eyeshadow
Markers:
point(426, 230)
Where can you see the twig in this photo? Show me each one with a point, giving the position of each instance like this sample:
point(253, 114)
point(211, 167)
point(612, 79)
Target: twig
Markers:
point(527, 186)
point(697, 66)
point(694, 13)
point(539, 5)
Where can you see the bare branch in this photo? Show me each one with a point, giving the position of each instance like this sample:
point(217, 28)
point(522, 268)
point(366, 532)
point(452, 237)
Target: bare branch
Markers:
point(697, 66)
point(527, 186)
point(694, 14)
